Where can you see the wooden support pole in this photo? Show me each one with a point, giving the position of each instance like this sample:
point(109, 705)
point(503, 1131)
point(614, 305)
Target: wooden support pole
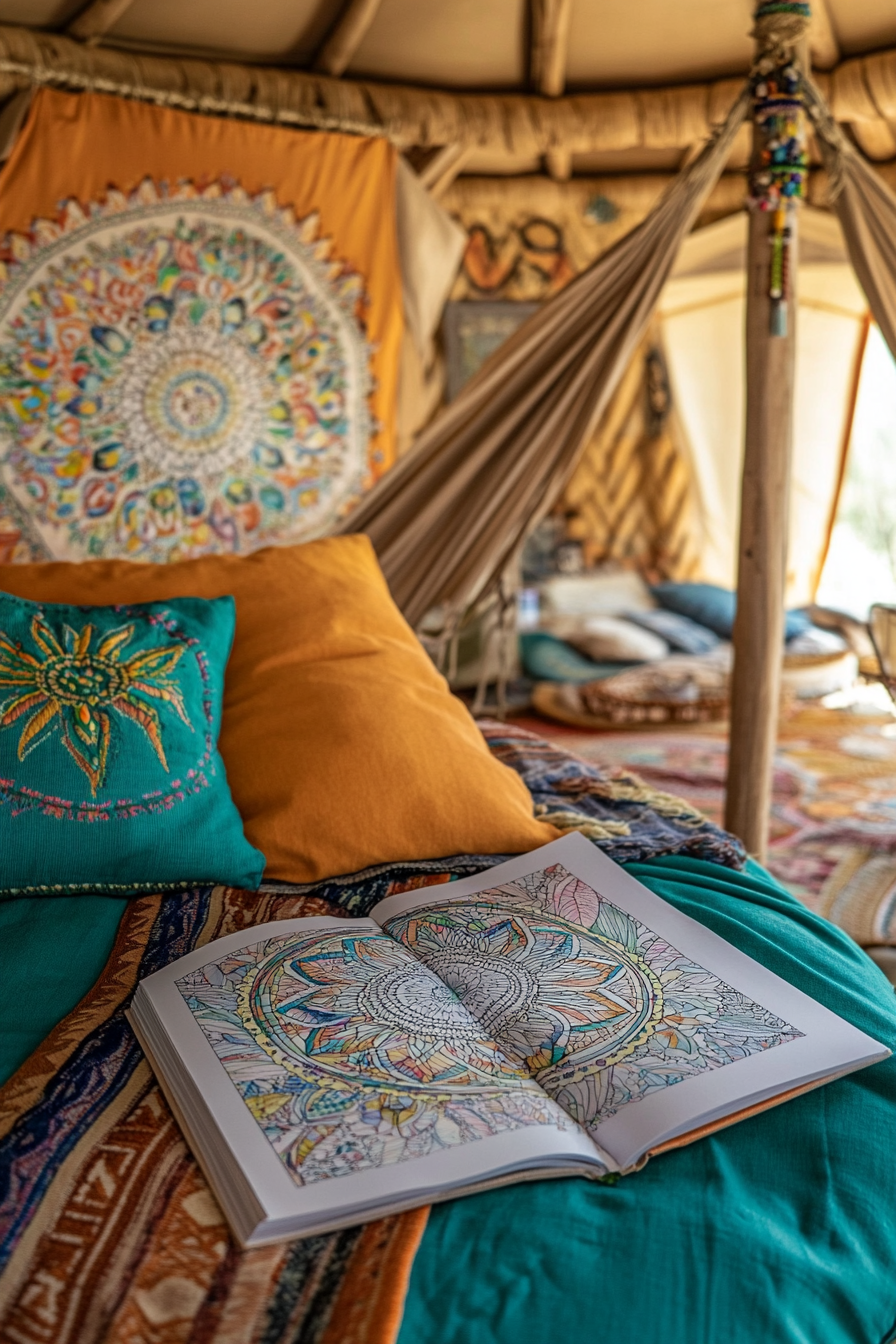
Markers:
point(762, 558)
point(768, 452)
point(549, 24)
point(858, 362)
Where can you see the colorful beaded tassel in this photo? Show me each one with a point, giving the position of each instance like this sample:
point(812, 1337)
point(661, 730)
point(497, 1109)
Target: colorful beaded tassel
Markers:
point(778, 169)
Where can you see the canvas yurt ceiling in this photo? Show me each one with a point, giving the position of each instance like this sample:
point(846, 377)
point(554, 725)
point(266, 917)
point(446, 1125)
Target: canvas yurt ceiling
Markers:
point(468, 44)
point(512, 47)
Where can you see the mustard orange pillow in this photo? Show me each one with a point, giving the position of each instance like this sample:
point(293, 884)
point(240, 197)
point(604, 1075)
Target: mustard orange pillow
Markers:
point(342, 743)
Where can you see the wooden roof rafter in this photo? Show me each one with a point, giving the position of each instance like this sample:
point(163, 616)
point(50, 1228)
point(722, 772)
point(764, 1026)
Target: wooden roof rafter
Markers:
point(344, 38)
point(861, 92)
point(444, 166)
point(97, 17)
point(549, 22)
point(549, 43)
point(334, 57)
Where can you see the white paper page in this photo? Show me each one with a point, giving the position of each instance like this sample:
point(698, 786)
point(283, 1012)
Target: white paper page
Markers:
point(384, 1115)
point(640, 1021)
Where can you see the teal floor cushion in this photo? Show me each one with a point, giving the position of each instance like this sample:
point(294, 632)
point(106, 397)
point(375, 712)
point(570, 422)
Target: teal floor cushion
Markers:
point(779, 1230)
point(547, 658)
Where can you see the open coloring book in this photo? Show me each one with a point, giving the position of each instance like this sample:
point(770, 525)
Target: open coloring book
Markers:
point(548, 1017)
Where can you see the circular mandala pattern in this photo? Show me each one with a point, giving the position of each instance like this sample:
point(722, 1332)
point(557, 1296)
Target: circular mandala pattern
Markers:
point(493, 999)
point(494, 989)
point(192, 404)
point(180, 377)
point(84, 681)
point(353, 1007)
point(528, 977)
point(71, 687)
point(416, 1003)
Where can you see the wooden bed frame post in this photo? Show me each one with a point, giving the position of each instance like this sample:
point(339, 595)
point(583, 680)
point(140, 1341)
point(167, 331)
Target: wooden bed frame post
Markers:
point(762, 545)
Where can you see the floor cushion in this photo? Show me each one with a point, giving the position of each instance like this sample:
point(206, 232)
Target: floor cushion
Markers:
point(715, 607)
point(679, 632)
point(545, 657)
point(609, 639)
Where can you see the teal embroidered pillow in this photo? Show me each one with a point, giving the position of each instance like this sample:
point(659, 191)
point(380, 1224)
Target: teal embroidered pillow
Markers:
point(110, 777)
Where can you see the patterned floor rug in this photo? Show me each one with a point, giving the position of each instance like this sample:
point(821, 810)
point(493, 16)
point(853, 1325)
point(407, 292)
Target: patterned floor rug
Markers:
point(833, 825)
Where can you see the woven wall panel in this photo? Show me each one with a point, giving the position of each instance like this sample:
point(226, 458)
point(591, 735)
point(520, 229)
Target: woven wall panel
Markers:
point(633, 488)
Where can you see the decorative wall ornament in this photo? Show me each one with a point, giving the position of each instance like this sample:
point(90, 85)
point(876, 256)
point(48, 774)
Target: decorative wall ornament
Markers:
point(529, 236)
point(73, 684)
point(182, 372)
point(473, 330)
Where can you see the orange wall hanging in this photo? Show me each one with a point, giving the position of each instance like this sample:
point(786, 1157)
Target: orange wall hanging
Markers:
point(200, 322)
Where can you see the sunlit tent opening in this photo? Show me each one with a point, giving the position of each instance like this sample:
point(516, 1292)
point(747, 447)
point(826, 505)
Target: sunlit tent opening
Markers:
point(860, 568)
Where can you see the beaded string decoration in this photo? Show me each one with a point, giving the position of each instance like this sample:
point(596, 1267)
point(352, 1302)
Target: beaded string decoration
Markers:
point(778, 171)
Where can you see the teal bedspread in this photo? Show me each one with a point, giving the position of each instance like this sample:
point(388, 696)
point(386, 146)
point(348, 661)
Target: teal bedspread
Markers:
point(780, 1230)
point(53, 949)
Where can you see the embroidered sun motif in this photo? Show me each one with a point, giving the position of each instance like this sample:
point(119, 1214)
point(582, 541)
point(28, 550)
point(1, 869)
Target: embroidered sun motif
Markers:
point(70, 688)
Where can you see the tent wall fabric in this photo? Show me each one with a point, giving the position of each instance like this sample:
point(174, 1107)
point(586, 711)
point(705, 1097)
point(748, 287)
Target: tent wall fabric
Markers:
point(554, 382)
point(192, 361)
point(447, 520)
point(430, 247)
point(702, 313)
point(528, 236)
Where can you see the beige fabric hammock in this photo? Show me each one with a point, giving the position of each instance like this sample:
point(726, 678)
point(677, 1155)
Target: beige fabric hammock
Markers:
point(448, 519)
point(866, 208)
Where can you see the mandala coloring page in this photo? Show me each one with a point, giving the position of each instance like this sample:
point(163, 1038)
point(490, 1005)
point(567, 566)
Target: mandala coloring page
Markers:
point(534, 1003)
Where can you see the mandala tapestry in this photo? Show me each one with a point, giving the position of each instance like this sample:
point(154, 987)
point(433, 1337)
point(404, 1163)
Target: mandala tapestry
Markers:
point(180, 373)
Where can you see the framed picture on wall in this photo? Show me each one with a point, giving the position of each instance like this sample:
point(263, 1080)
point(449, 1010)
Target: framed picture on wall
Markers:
point(473, 331)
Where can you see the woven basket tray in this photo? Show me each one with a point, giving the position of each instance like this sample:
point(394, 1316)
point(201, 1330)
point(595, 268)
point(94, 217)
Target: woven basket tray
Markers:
point(679, 690)
point(618, 709)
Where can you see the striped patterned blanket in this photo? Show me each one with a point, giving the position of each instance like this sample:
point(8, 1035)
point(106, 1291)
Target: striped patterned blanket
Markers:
point(108, 1232)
